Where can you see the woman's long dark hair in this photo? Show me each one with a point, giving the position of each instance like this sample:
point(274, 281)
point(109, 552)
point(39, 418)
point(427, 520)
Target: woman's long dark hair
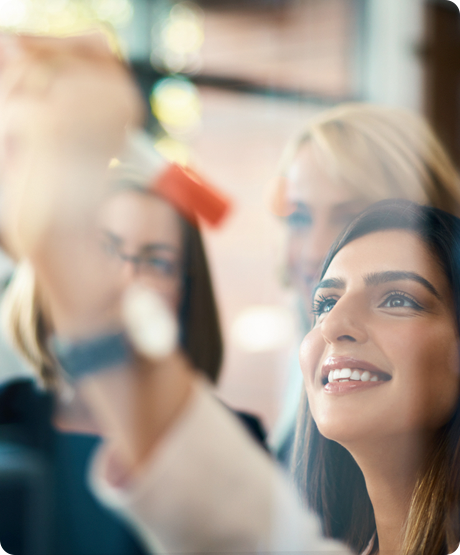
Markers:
point(198, 316)
point(332, 481)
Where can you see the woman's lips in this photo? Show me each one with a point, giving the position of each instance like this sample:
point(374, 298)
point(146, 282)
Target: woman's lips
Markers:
point(349, 387)
point(347, 374)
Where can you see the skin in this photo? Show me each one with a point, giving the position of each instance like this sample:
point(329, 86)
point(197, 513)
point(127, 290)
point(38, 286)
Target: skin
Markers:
point(134, 224)
point(406, 331)
point(132, 406)
point(60, 98)
point(319, 209)
point(53, 94)
point(135, 406)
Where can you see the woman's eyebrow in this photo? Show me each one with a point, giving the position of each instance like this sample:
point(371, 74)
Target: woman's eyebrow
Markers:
point(108, 235)
point(336, 283)
point(153, 247)
point(384, 277)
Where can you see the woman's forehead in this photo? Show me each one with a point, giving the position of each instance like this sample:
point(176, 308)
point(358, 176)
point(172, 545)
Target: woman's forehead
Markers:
point(386, 251)
point(308, 181)
point(132, 214)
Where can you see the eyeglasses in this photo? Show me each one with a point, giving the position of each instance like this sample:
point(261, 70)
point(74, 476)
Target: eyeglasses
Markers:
point(155, 260)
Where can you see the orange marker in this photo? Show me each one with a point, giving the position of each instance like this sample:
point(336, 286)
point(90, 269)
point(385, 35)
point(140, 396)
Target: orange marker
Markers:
point(191, 195)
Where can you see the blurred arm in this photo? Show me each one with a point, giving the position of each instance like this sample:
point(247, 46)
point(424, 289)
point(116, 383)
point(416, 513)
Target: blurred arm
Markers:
point(175, 461)
point(208, 488)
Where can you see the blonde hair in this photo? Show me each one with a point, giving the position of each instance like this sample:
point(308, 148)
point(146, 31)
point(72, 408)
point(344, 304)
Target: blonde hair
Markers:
point(25, 326)
point(379, 152)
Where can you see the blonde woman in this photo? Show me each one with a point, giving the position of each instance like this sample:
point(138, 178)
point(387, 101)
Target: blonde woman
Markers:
point(346, 159)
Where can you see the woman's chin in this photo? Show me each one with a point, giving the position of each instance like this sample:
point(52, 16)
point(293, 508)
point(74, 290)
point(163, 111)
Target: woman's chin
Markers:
point(345, 431)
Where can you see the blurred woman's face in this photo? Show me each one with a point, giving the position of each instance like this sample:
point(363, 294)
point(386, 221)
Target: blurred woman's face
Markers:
point(142, 235)
point(319, 209)
point(382, 359)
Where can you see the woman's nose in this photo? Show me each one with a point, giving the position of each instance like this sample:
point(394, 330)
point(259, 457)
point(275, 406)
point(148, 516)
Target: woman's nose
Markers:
point(346, 322)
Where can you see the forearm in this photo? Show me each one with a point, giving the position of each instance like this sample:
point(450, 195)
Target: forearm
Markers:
point(134, 406)
point(208, 488)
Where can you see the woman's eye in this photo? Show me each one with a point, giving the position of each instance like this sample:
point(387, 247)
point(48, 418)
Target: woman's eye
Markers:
point(162, 265)
point(399, 300)
point(109, 248)
point(298, 220)
point(323, 305)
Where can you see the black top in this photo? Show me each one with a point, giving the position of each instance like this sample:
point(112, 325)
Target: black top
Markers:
point(46, 507)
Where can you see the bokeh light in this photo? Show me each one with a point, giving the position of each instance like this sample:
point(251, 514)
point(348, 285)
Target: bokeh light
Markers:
point(183, 32)
point(173, 150)
point(12, 12)
point(55, 6)
point(63, 16)
point(176, 104)
point(262, 328)
point(116, 12)
point(177, 46)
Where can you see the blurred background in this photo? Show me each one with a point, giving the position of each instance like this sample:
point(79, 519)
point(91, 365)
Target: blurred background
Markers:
point(228, 83)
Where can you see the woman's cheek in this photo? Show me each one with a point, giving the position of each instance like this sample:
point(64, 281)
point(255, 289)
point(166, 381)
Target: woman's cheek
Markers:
point(311, 352)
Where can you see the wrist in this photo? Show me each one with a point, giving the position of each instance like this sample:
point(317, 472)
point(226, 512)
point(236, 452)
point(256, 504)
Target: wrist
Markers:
point(85, 357)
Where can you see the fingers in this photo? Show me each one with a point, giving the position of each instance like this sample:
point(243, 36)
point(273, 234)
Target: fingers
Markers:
point(88, 46)
point(65, 105)
point(34, 57)
point(31, 65)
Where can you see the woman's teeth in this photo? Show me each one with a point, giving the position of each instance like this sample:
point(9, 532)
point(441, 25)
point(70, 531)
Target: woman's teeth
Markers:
point(352, 374)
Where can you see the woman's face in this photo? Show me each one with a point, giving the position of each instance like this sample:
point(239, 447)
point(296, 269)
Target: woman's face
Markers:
point(319, 210)
point(386, 330)
point(142, 235)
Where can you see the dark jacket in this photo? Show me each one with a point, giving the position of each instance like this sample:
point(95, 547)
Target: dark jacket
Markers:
point(45, 505)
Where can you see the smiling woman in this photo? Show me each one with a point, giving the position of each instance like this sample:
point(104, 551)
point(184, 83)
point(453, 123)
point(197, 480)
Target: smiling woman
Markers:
point(378, 444)
point(345, 159)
